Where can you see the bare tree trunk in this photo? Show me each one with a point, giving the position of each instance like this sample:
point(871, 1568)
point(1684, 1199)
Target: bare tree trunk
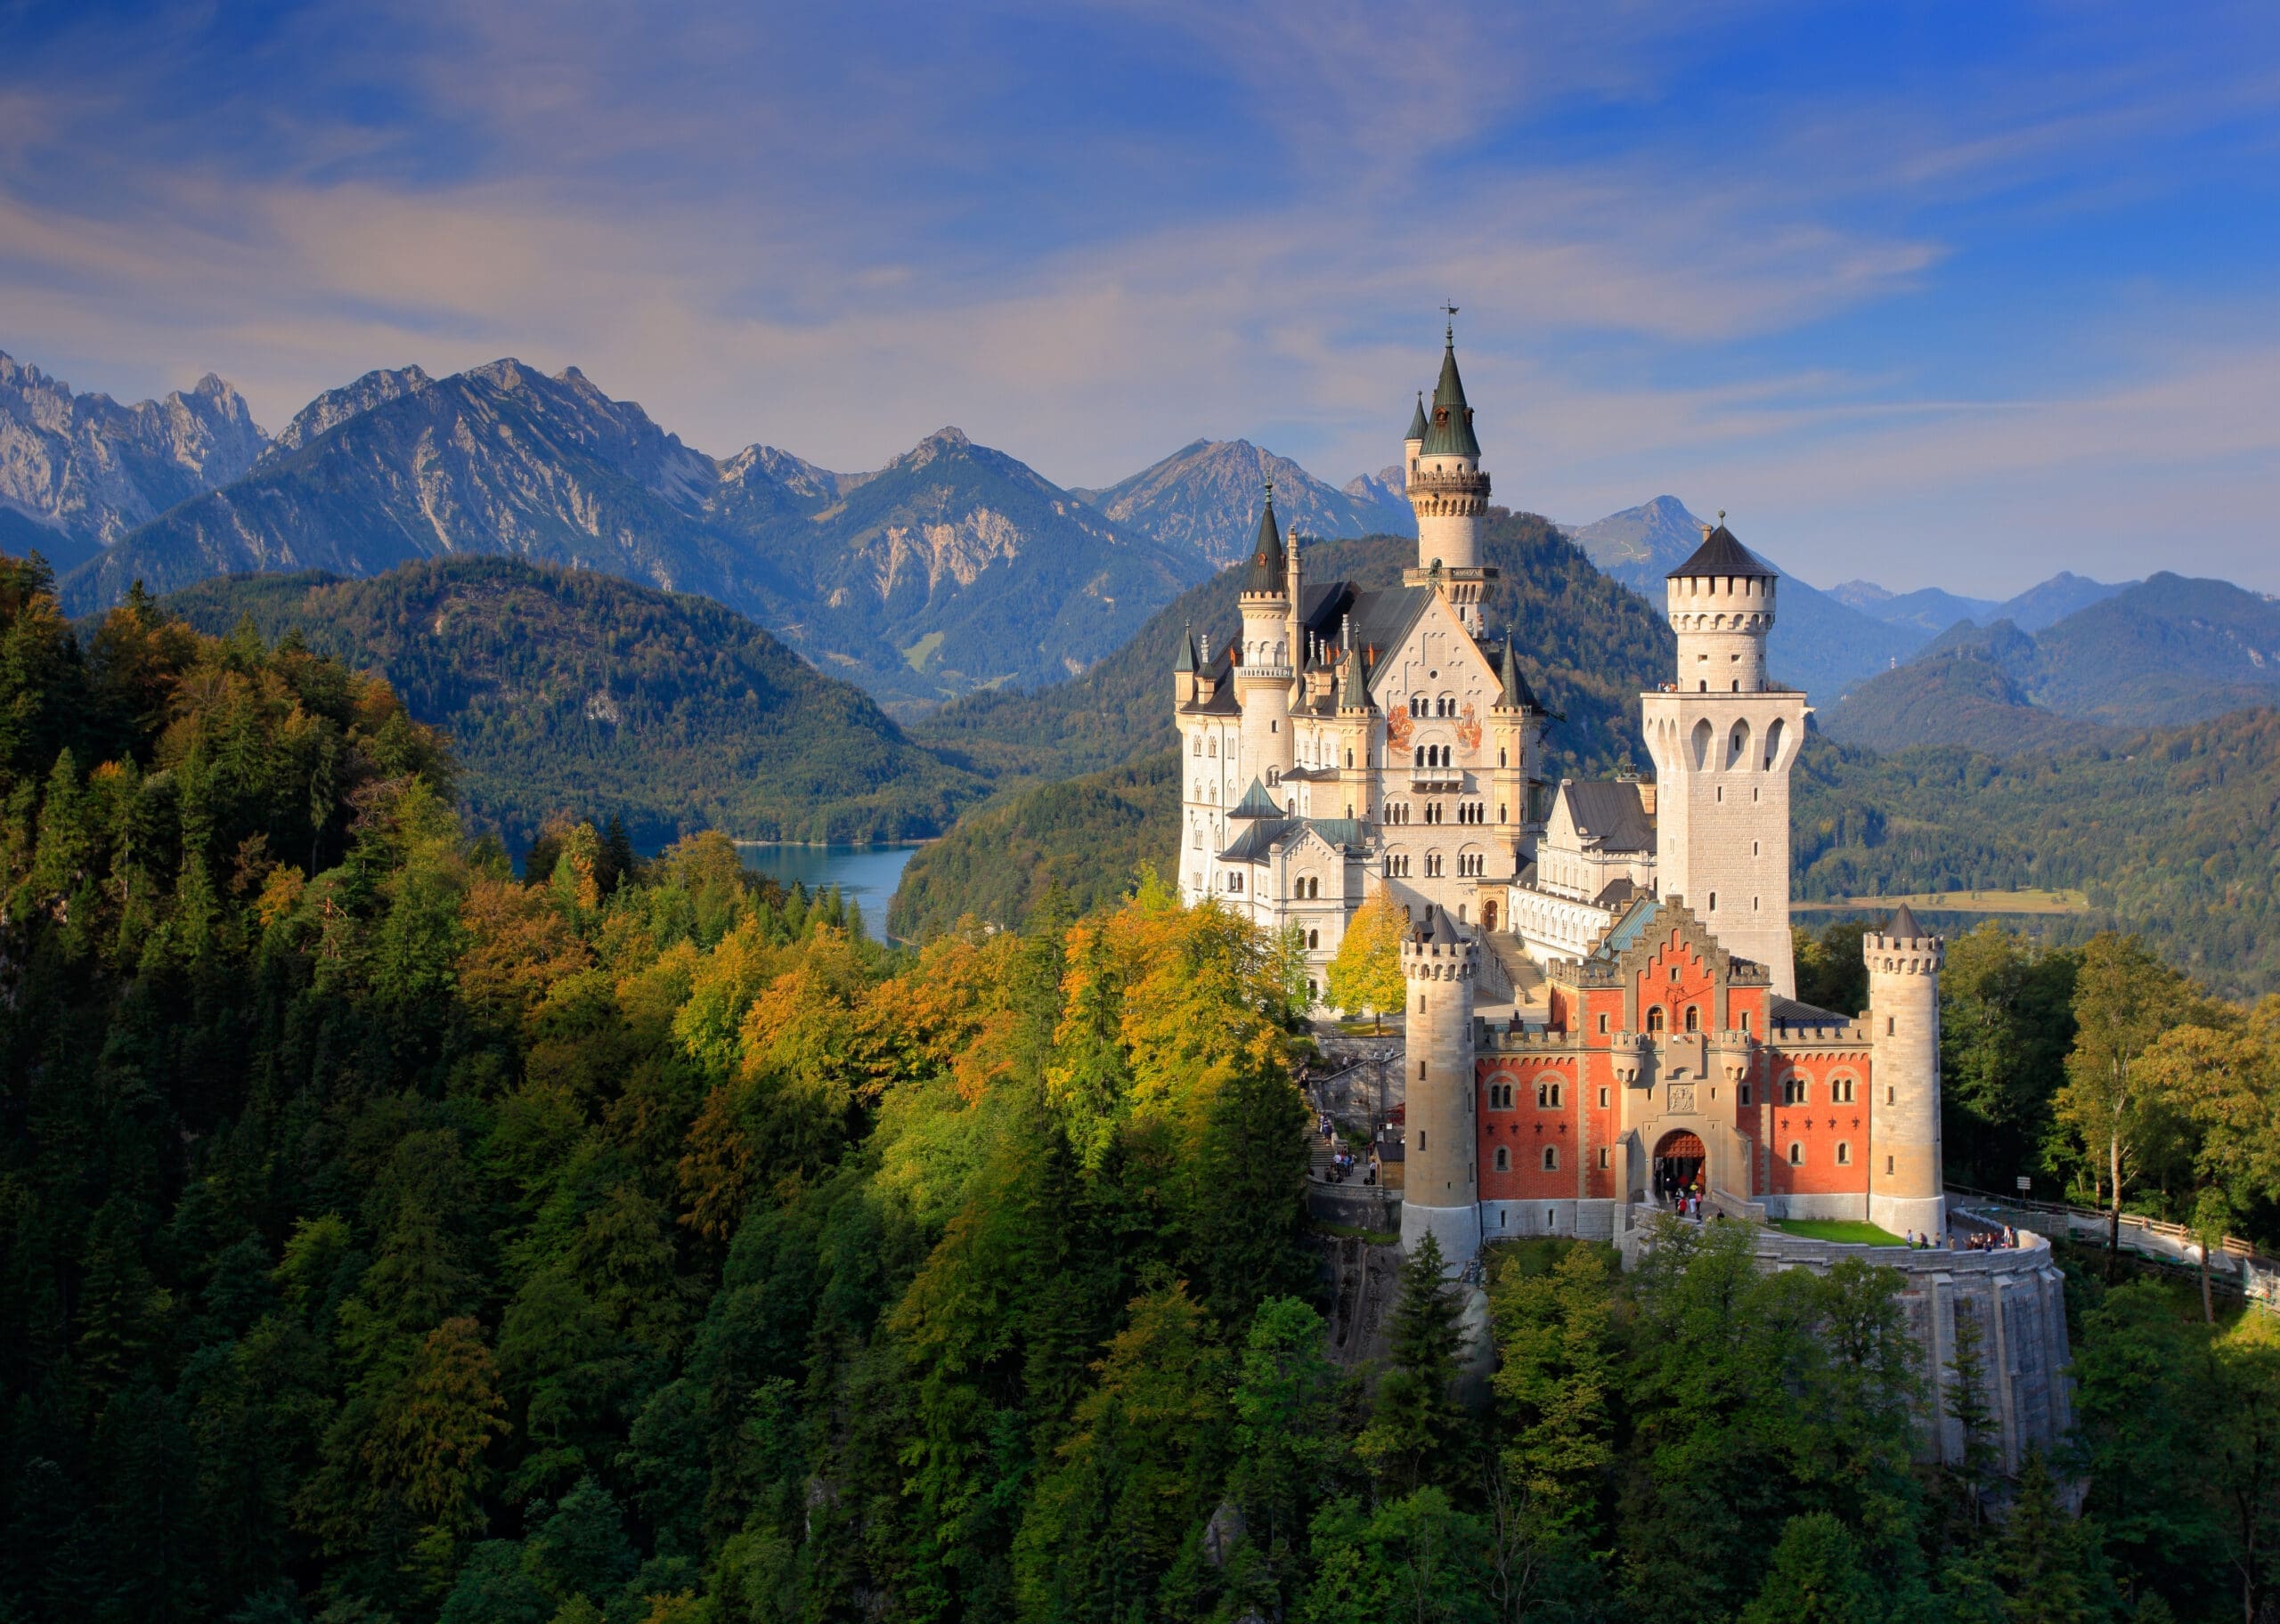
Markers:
point(2208, 1312)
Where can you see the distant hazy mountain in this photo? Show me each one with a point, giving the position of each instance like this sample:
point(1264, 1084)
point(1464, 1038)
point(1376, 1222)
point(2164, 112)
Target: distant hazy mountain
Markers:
point(1206, 496)
point(954, 567)
point(1931, 611)
point(2163, 652)
point(1818, 643)
point(79, 471)
point(569, 691)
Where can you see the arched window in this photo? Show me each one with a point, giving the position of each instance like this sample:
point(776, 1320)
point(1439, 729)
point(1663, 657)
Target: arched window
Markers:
point(1840, 1091)
point(1797, 1154)
point(1793, 1090)
point(1199, 745)
point(1214, 747)
point(1504, 1159)
point(1313, 939)
point(1552, 1158)
point(1844, 1154)
point(1702, 743)
point(1654, 1019)
point(1693, 1017)
point(1499, 756)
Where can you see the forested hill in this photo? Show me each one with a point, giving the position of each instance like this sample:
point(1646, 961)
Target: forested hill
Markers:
point(571, 691)
point(2171, 833)
point(1587, 645)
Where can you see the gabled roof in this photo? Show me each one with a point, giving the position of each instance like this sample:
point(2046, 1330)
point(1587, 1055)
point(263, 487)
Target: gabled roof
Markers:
point(1611, 811)
point(1720, 555)
point(1450, 434)
point(1256, 803)
point(1259, 839)
point(1268, 566)
point(1616, 893)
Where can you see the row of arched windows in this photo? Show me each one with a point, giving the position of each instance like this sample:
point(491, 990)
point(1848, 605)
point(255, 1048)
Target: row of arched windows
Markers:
point(1550, 1164)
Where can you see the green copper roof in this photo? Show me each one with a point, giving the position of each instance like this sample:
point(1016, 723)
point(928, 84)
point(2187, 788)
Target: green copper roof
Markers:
point(1266, 560)
point(1187, 660)
point(1450, 434)
point(1417, 420)
point(1256, 803)
point(1516, 692)
point(1354, 692)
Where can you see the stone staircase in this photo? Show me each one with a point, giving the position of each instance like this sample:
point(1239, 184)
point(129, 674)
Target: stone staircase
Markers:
point(1522, 979)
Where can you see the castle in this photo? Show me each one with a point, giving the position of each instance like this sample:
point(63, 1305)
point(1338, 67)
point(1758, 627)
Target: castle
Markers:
point(1602, 1003)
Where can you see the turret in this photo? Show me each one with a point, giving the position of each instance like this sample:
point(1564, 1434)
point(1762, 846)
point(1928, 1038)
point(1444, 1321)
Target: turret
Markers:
point(1905, 1169)
point(1264, 674)
point(1514, 725)
point(1412, 443)
point(1441, 1193)
point(1184, 669)
point(1449, 494)
point(1356, 730)
point(1724, 737)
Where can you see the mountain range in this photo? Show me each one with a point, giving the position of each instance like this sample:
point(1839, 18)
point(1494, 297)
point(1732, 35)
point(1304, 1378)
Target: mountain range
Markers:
point(79, 471)
point(2163, 652)
point(921, 580)
point(1931, 611)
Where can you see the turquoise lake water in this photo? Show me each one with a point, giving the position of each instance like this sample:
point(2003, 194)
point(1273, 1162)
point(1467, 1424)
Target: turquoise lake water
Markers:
point(864, 874)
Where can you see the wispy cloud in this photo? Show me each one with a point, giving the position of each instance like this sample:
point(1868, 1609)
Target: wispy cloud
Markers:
point(1833, 286)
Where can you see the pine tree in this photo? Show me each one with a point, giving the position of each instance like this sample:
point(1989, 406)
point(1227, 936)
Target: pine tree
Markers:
point(1416, 1417)
point(2047, 1563)
point(1816, 1577)
point(1965, 1405)
point(1556, 1384)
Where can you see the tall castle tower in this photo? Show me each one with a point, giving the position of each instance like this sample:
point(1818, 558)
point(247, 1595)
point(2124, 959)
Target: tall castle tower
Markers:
point(1268, 655)
point(1441, 1193)
point(1905, 1169)
point(1723, 738)
point(1450, 495)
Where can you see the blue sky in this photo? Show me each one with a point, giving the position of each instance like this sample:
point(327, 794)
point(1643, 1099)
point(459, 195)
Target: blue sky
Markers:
point(1934, 295)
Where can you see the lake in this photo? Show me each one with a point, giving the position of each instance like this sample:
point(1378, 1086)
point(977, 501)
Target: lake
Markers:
point(866, 875)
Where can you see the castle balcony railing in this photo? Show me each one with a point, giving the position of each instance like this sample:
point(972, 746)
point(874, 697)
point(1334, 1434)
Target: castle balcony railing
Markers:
point(1427, 778)
point(1451, 485)
point(1263, 673)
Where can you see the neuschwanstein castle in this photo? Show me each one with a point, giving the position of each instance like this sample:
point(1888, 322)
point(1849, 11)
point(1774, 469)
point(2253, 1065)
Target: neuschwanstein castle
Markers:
point(1603, 998)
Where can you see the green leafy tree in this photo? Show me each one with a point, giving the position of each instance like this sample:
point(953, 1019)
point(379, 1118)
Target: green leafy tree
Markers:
point(1816, 1577)
point(1285, 1437)
point(1418, 1557)
point(2124, 999)
point(1556, 1384)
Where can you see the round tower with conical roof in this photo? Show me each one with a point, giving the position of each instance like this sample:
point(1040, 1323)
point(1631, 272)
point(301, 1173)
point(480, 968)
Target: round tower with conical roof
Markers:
point(1267, 666)
point(1441, 1176)
point(1723, 736)
point(1905, 1169)
point(1449, 493)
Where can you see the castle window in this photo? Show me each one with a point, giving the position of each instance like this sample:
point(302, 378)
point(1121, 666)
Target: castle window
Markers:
point(1713, 902)
point(1887, 1166)
point(1654, 1019)
point(1603, 1098)
point(1744, 1020)
point(1314, 939)
point(1274, 726)
point(1547, 1095)
point(1198, 746)
point(1504, 1159)
point(1745, 1094)
point(1552, 1158)
point(1888, 1094)
point(1753, 849)
point(1793, 1090)
point(1215, 746)
point(1797, 1154)
point(1605, 1159)
point(1420, 1140)
point(1840, 1091)
point(1602, 1030)
point(1421, 1069)
point(1349, 758)
point(1844, 1154)
point(1500, 756)
point(1888, 1025)
point(1693, 1017)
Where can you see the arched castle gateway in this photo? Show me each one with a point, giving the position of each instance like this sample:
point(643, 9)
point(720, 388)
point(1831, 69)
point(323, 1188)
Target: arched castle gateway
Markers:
point(1602, 1003)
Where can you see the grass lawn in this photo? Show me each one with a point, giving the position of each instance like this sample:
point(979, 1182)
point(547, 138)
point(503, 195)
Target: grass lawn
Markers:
point(1851, 1230)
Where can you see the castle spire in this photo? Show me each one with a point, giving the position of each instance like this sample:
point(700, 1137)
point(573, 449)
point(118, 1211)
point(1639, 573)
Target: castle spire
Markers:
point(1267, 561)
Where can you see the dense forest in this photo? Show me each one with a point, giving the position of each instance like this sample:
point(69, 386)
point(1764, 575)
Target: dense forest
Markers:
point(2169, 834)
point(390, 1235)
point(566, 687)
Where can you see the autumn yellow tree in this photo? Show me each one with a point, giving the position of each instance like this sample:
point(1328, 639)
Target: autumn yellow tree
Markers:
point(1366, 973)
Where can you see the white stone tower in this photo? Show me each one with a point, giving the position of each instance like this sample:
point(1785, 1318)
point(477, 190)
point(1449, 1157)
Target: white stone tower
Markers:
point(1441, 1189)
point(1723, 737)
point(1905, 1172)
point(1449, 494)
point(1264, 671)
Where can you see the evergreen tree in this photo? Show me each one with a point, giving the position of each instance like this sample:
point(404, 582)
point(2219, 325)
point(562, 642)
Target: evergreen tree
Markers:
point(1816, 1577)
point(1415, 1421)
point(2047, 1564)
